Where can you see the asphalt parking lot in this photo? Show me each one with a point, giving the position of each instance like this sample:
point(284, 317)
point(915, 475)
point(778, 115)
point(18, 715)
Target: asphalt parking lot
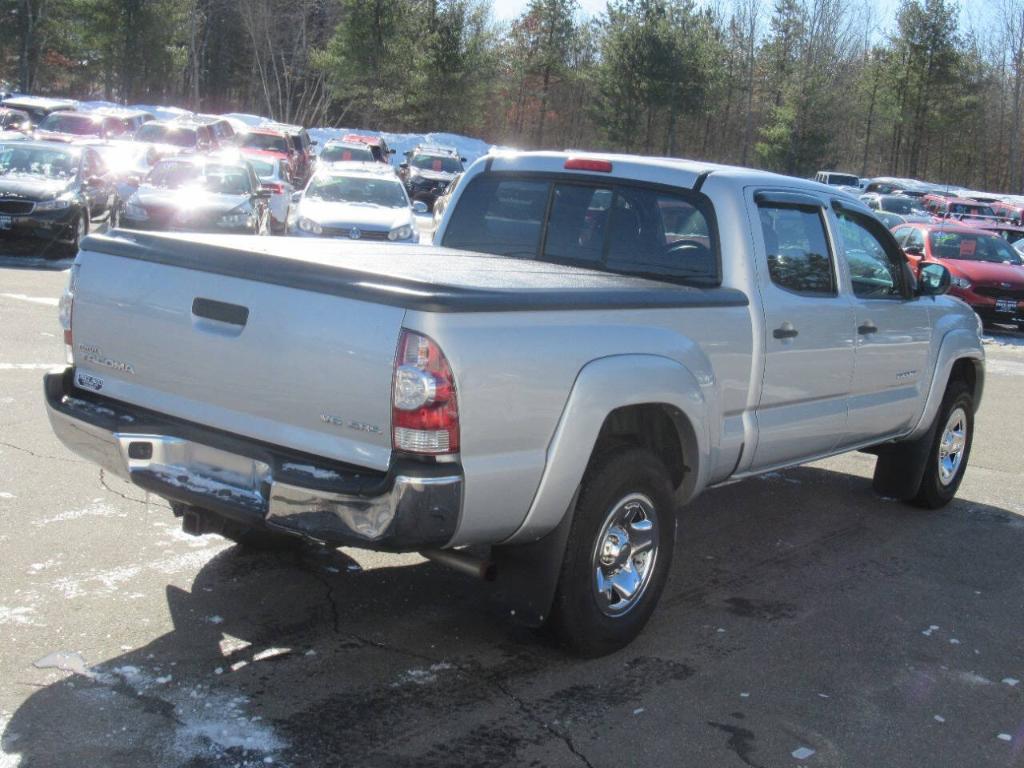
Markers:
point(807, 622)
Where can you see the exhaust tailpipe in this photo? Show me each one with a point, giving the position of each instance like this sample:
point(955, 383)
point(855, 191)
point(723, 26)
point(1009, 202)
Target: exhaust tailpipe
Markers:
point(460, 561)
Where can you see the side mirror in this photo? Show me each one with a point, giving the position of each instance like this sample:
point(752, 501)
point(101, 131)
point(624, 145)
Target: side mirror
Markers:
point(296, 197)
point(933, 280)
point(913, 250)
point(463, 159)
point(264, 194)
point(403, 165)
point(419, 207)
point(313, 142)
point(391, 151)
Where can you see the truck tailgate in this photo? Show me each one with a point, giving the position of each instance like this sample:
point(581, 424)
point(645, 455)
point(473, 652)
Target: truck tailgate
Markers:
point(300, 369)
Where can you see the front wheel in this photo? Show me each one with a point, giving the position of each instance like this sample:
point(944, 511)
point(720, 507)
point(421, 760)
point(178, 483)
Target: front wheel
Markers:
point(618, 554)
point(950, 449)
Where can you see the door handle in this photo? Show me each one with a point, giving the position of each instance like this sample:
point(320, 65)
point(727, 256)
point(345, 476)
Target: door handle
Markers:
point(786, 331)
point(865, 329)
point(222, 312)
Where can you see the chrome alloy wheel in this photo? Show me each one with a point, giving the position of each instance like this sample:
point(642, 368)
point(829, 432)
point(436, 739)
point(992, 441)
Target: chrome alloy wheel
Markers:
point(952, 445)
point(625, 554)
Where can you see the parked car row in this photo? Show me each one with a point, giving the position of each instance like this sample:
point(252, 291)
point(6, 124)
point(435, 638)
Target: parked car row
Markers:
point(185, 172)
point(977, 236)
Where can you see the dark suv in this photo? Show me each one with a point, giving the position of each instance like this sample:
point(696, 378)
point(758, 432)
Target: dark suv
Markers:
point(428, 170)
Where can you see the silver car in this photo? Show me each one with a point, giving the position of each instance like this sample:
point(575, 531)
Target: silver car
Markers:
point(356, 202)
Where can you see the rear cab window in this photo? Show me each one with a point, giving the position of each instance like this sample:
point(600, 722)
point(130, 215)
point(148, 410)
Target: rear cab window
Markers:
point(611, 225)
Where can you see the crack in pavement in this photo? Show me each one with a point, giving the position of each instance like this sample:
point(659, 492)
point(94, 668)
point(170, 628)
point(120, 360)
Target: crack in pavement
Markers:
point(336, 621)
point(473, 670)
point(103, 484)
point(522, 707)
point(14, 447)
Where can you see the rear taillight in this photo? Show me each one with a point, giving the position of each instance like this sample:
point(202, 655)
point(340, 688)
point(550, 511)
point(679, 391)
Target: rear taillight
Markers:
point(424, 409)
point(273, 186)
point(67, 304)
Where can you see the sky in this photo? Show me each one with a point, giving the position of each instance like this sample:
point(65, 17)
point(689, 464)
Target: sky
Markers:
point(885, 10)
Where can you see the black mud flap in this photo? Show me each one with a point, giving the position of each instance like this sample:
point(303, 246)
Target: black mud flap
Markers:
point(900, 467)
point(527, 574)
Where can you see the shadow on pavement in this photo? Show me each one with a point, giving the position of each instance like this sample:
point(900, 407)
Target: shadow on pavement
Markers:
point(799, 584)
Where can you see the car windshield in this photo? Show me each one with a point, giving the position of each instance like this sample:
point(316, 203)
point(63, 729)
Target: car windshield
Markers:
point(45, 162)
point(79, 125)
point(897, 204)
point(155, 133)
point(969, 209)
point(222, 179)
point(971, 247)
point(264, 168)
point(334, 153)
point(437, 163)
point(264, 141)
point(12, 118)
point(842, 180)
point(384, 192)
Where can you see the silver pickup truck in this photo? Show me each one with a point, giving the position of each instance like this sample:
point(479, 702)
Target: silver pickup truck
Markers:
point(596, 341)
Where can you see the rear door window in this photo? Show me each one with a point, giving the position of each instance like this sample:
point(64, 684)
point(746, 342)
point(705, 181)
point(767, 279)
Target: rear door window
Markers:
point(500, 216)
point(797, 250)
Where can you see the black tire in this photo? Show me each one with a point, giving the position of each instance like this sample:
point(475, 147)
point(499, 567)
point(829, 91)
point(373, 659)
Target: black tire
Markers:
point(935, 491)
point(81, 230)
point(580, 617)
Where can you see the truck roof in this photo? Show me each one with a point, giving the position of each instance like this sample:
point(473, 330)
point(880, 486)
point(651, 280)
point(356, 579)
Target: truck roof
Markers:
point(660, 170)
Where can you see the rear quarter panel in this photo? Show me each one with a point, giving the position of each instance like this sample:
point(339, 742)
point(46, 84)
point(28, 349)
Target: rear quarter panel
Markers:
point(515, 371)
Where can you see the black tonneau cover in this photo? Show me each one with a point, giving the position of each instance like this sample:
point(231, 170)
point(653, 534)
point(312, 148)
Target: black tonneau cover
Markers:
point(414, 277)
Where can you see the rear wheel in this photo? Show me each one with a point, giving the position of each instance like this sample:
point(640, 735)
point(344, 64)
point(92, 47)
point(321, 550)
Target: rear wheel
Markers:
point(618, 554)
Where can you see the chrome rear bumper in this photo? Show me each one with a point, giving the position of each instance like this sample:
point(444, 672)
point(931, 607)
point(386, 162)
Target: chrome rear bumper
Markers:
point(411, 507)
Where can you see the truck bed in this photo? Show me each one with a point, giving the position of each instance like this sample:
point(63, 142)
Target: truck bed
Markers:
point(421, 278)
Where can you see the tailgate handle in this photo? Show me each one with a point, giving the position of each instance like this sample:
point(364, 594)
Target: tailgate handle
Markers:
point(222, 312)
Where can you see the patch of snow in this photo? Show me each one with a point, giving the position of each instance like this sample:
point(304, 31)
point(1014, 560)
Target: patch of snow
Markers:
point(66, 661)
point(422, 676)
point(215, 619)
point(1011, 681)
point(22, 616)
point(95, 509)
point(802, 753)
point(744, 695)
point(954, 641)
point(1004, 737)
point(271, 653)
point(7, 495)
point(638, 710)
point(939, 719)
point(309, 469)
point(974, 678)
point(45, 300)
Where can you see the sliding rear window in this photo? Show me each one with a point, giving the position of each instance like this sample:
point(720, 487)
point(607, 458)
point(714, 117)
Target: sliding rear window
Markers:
point(633, 229)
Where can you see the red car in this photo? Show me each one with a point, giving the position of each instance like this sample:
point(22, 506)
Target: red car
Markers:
point(987, 273)
point(960, 208)
point(270, 141)
point(381, 152)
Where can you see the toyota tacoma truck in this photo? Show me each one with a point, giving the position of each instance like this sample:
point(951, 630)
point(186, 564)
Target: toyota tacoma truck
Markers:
point(592, 341)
